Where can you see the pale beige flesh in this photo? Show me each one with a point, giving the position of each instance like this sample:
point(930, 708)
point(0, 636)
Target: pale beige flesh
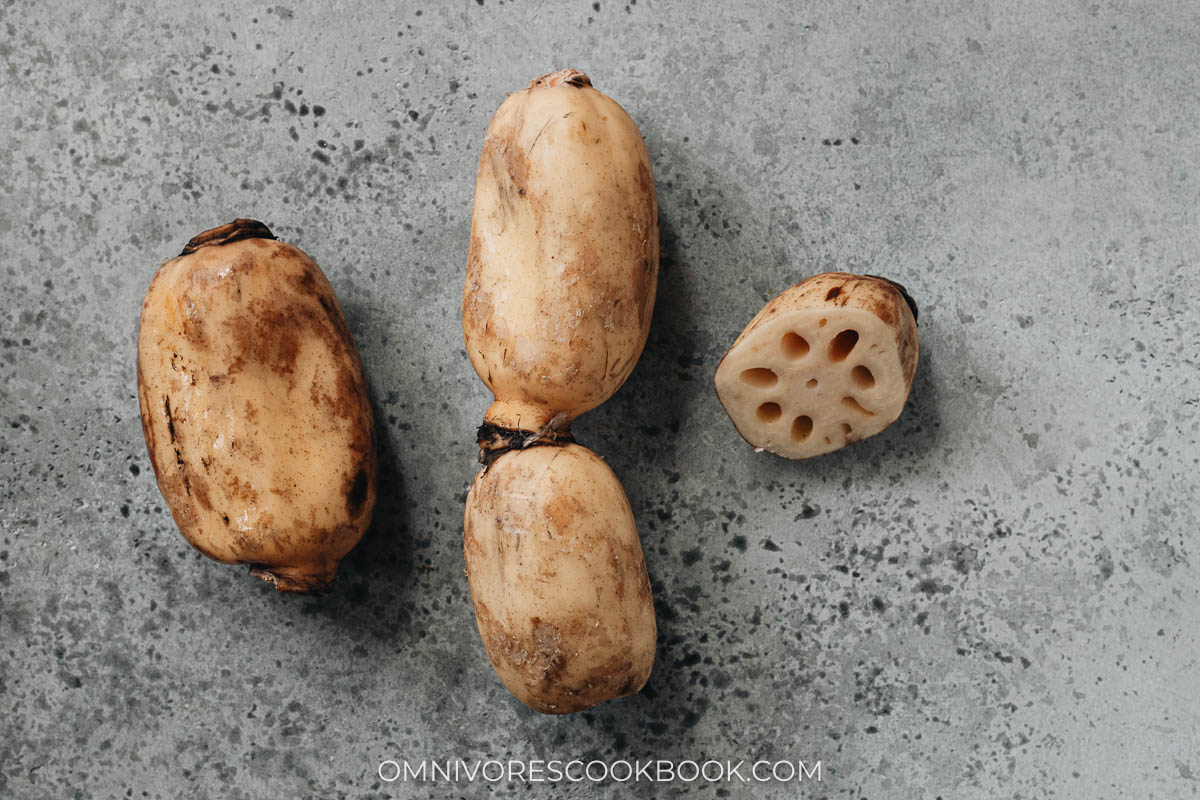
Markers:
point(825, 364)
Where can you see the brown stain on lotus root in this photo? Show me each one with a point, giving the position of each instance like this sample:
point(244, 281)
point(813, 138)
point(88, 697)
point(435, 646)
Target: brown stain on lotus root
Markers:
point(356, 492)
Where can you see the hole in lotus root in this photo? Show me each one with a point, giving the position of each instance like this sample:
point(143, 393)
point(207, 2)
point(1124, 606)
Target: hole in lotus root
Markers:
point(842, 344)
point(794, 345)
point(811, 383)
point(850, 402)
point(846, 429)
point(801, 427)
point(759, 377)
point(769, 412)
point(862, 377)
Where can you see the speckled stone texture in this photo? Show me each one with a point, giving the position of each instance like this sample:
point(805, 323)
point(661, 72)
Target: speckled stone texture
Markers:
point(997, 597)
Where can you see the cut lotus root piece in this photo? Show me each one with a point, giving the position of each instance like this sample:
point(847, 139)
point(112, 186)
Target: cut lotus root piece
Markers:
point(827, 363)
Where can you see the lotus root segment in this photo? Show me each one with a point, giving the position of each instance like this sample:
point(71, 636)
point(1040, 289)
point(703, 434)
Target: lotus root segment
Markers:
point(562, 597)
point(827, 363)
point(254, 407)
point(563, 259)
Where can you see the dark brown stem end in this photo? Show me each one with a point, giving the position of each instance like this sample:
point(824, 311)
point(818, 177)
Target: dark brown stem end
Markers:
point(297, 580)
point(571, 77)
point(495, 441)
point(232, 232)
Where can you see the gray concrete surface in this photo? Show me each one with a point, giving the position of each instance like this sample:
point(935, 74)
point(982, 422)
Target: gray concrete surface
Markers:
point(998, 597)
